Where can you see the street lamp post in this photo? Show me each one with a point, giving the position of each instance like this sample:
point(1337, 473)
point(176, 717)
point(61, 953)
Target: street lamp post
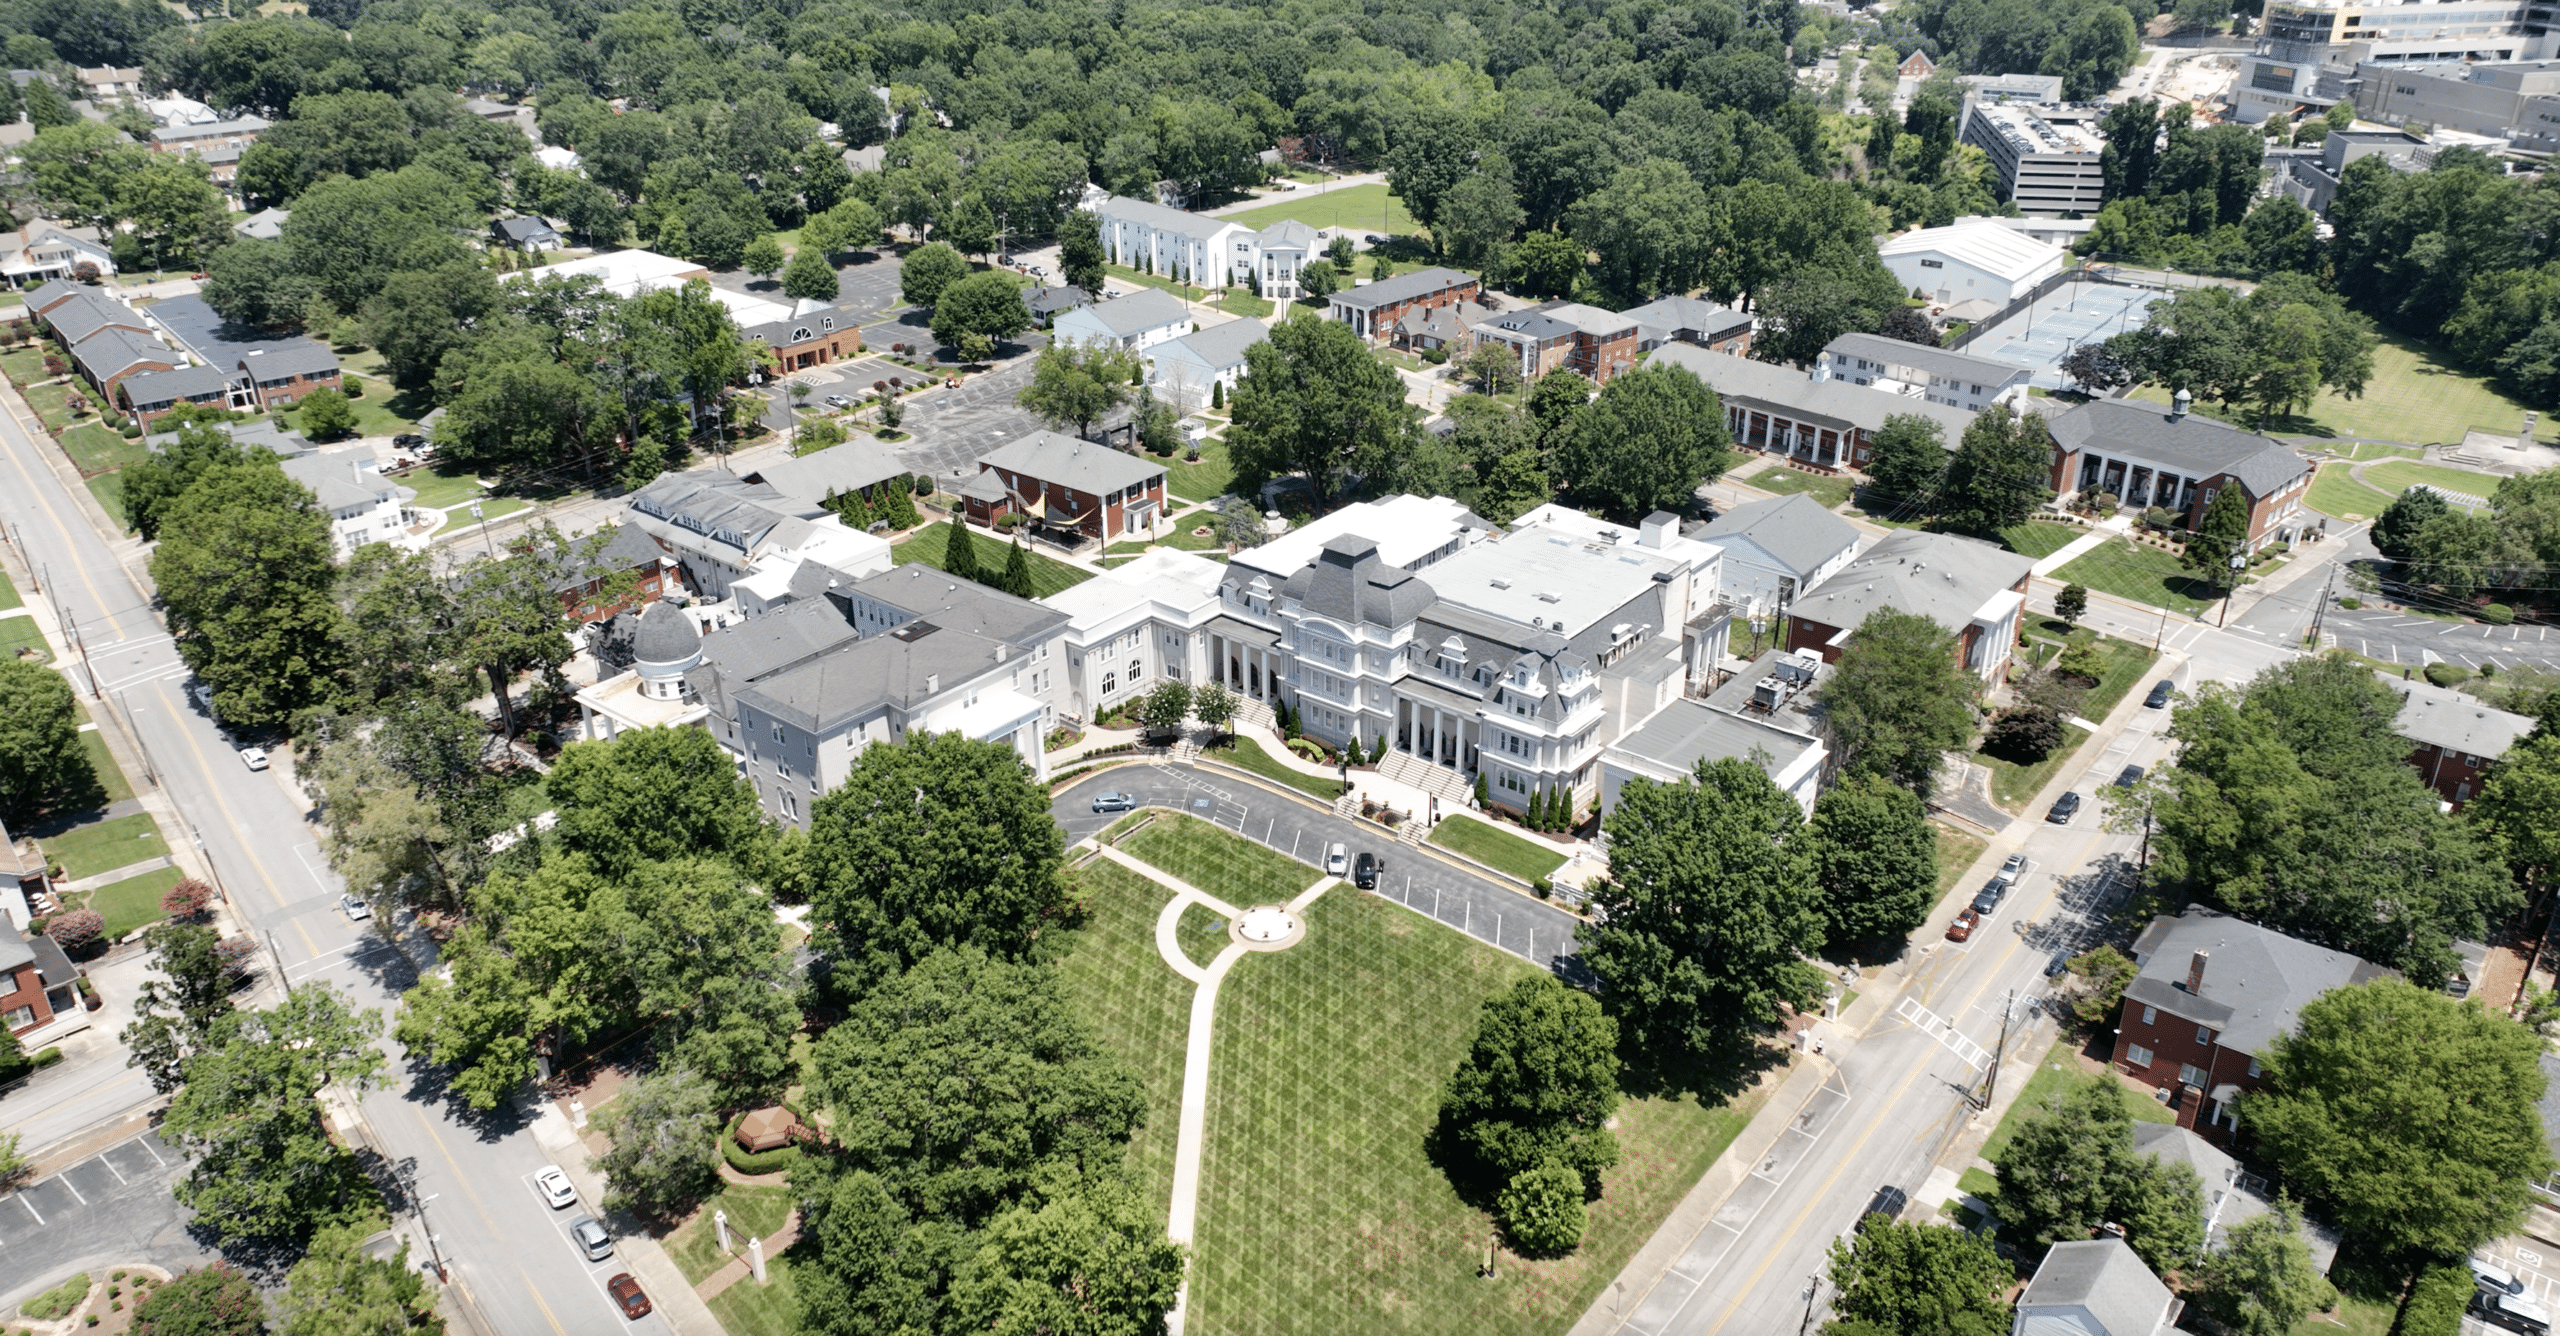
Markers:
point(434, 1251)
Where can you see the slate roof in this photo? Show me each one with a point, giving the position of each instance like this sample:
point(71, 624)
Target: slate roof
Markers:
point(1068, 462)
point(666, 635)
point(1933, 361)
point(1151, 308)
point(518, 231)
point(1403, 287)
point(1349, 583)
point(2442, 717)
point(716, 507)
point(2103, 1277)
point(1943, 577)
point(2195, 446)
point(155, 388)
point(2256, 980)
point(1794, 528)
point(264, 225)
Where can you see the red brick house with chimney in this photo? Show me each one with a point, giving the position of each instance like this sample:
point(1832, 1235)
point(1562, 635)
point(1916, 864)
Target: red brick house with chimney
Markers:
point(1067, 484)
point(2212, 994)
point(2147, 455)
point(2454, 738)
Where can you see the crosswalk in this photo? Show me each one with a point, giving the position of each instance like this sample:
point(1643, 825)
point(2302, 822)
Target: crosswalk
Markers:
point(1937, 1027)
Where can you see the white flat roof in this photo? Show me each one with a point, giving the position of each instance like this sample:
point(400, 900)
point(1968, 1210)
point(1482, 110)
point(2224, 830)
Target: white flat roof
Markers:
point(632, 272)
point(1167, 577)
point(1581, 524)
point(1405, 528)
point(1986, 246)
point(1549, 576)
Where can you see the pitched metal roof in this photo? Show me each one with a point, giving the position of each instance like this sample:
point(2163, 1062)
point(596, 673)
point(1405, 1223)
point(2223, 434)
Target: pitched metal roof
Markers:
point(1986, 246)
point(1150, 308)
point(2198, 447)
point(1403, 287)
point(1795, 529)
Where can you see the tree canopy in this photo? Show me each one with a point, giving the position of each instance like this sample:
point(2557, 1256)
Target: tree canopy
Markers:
point(1896, 701)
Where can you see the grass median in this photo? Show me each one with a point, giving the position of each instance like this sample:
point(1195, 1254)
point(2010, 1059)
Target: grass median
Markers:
point(1518, 855)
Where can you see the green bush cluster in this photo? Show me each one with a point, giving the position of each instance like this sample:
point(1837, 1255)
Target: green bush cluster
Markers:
point(57, 1303)
point(2498, 614)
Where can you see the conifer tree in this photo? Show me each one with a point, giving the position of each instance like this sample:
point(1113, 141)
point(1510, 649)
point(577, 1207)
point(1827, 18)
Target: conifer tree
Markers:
point(959, 554)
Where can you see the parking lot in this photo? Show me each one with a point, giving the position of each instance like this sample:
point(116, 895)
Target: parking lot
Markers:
point(110, 1209)
point(949, 429)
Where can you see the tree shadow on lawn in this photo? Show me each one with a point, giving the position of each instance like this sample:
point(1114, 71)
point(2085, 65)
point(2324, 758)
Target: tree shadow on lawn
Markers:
point(81, 800)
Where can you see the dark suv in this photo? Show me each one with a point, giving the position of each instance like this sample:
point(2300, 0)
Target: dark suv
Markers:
point(1364, 873)
point(2064, 808)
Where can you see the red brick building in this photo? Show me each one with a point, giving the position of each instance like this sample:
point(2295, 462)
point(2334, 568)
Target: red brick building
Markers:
point(37, 981)
point(1373, 309)
point(2456, 738)
point(1568, 336)
point(811, 338)
point(1067, 484)
point(1963, 584)
point(653, 570)
point(2212, 993)
point(2147, 455)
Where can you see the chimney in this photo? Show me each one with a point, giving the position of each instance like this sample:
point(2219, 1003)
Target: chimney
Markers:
point(2178, 404)
point(2195, 973)
point(932, 683)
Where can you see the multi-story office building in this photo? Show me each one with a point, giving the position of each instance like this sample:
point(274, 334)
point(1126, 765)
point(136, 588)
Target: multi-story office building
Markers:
point(2308, 50)
point(2046, 156)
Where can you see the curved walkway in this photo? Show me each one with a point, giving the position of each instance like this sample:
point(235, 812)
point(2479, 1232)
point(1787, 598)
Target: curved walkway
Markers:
point(1192, 1134)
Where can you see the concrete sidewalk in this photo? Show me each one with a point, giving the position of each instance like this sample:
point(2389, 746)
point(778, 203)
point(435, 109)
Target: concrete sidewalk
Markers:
point(2068, 552)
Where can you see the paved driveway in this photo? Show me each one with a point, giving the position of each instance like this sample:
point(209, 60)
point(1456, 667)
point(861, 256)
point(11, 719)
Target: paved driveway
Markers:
point(1487, 910)
point(948, 429)
point(108, 1210)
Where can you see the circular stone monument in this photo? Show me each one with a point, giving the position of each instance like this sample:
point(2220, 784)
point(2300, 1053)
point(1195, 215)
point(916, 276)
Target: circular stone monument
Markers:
point(1267, 926)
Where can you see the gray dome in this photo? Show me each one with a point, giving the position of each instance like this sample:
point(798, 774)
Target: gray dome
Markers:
point(666, 635)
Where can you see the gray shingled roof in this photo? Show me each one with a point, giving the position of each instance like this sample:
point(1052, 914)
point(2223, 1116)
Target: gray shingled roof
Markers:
point(113, 350)
point(2104, 1277)
point(1149, 308)
point(168, 387)
point(57, 290)
point(2195, 446)
point(1221, 346)
point(1157, 216)
point(521, 230)
point(1068, 462)
point(2443, 717)
point(2256, 980)
point(666, 635)
point(1052, 300)
point(1934, 360)
point(76, 320)
point(713, 504)
point(15, 951)
point(1794, 528)
point(288, 357)
point(1861, 406)
point(804, 481)
point(339, 479)
point(1402, 287)
point(1686, 732)
point(1665, 317)
point(1943, 577)
point(1349, 583)
point(216, 342)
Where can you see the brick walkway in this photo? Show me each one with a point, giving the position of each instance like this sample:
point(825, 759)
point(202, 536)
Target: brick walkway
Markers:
point(737, 1268)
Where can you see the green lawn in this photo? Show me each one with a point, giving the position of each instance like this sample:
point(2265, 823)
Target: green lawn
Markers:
point(2039, 538)
point(438, 488)
point(2013, 784)
point(754, 1212)
point(133, 902)
point(2053, 1072)
point(1319, 1211)
point(2143, 574)
point(1957, 849)
point(2413, 397)
point(108, 488)
point(102, 763)
point(24, 366)
point(100, 449)
point(1241, 301)
point(1221, 862)
point(20, 635)
point(1183, 290)
point(9, 594)
point(2372, 450)
point(1246, 754)
point(1181, 537)
point(2128, 663)
point(1203, 934)
point(1207, 478)
point(2399, 475)
point(1830, 491)
point(459, 515)
point(379, 412)
point(106, 846)
point(1524, 858)
point(1048, 575)
point(1138, 1007)
point(770, 1309)
point(1363, 209)
point(2336, 493)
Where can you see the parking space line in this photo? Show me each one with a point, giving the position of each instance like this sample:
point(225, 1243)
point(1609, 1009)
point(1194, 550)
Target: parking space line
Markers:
point(145, 1142)
point(111, 1168)
point(31, 1207)
point(64, 1178)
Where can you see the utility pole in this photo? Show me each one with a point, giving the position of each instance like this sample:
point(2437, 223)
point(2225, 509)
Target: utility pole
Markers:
point(149, 771)
point(2320, 612)
point(1812, 1291)
point(433, 1250)
point(71, 632)
point(1991, 1079)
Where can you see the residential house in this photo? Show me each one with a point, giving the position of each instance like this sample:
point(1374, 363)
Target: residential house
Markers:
point(2150, 456)
point(488, 110)
point(1961, 262)
point(113, 353)
point(1668, 747)
point(44, 252)
point(1451, 329)
point(1917, 65)
point(1968, 586)
point(1777, 548)
point(631, 557)
point(22, 879)
point(813, 334)
point(1925, 371)
point(37, 982)
point(1566, 336)
point(265, 372)
point(1135, 625)
point(532, 236)
point(1678, 319)
point(1184, 370)
point(57, 291)
point(1372, 309)
point(2232, 1195)
point(363, 505)
point(1827, 425)
point(199, 136)
point(150, 396)
point(1137, 321)
point(107, 83)
point(2095, 1287)
point(725, 531)
point(1048, 303)
point(796, 695)
point(2456, 738)
point(1062, 483)
point(264, 225)
point(2212, 992)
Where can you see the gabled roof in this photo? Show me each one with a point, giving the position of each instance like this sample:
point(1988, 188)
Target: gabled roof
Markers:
point(1052, 300)
point(522, 230)
point(1926, 358)
point(805, 481)
point(1067, 462)
point(1944, 577)
point(1994, 249)
point(1794, 529)
point(265, 224)
point(1859, 406)
point(716, 506)
point(73, 321)
point(2442, 717)
point(1150, 308)
point(2105, 1279)
point(288, 357)
point(55, 292)
point(1197, 225)
point(1403, 287)
point(1219, 347)
point(1589, 319)
point(152, 388)
point(111, 352)
point(1288, 234)
point(2256, 980)
point(1530, 324)
point(1348, 584)
point(1665, 317)
point(341, 479)
point(2198, 447)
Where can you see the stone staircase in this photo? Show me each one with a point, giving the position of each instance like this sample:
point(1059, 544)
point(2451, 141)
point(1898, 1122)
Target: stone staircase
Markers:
point(1452, 789)
point(1254, 712)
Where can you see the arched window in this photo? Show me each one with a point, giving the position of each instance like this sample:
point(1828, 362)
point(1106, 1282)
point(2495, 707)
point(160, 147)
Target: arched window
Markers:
point(1110, 683)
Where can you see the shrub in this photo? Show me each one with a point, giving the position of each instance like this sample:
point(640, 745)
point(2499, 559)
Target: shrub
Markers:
point(77, 929)
point(2498, 614)
point(1435, 356)
point(58, 1302)
point(2444, 674)
point(2435, 1303)
point(2351, 603)
point(187, 899)
point(130, 432)
point(755, 1162)
point(48, 1056)
point(1542, 1209)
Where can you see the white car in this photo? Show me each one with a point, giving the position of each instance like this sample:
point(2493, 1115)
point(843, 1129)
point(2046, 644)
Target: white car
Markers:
point(254, 757)
point(554, 1186)
point(354, 904)
point(1337, 860)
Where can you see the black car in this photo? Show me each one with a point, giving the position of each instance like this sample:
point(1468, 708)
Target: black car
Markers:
point(1364, 873)
point(2064, 808)
point(2160, 693)
point(2129, 776)
point(1988, 898)
point(408, 440)
point(2061, 961)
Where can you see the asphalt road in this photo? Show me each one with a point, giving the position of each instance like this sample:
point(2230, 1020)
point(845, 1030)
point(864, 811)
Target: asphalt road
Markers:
point(109, 1210)
point(266, 855)
point(2388, 634)
point(1487, 910)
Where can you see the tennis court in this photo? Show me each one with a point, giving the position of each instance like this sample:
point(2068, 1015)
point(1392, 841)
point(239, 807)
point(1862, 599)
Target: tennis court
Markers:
point(2076, 313)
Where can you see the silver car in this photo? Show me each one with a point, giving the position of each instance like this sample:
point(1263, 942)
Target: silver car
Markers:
point(591, 1238)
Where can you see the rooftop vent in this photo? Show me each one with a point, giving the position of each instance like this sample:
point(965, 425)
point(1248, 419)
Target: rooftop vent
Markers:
point(1550, 596)
point(914, 631)
point(1500, 583)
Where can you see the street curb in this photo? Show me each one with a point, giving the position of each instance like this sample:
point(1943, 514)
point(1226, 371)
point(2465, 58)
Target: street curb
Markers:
point(61, 1154)
point(669, 1293)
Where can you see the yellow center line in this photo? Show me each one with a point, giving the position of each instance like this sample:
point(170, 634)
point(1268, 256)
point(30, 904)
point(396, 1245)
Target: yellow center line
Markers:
point(160, 695)
point(1918, 1070)
point(477, 1205)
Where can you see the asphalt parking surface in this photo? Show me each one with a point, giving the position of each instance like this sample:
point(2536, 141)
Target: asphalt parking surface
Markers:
point(109, 1209)
point(1489, 911)
point(949, 429)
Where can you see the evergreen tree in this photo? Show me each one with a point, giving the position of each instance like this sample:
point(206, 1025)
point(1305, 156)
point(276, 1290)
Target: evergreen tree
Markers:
point(959, 552)
point(1351, 751)
point(1217, 394)
point(1017, 571)
point(1484, 793)
point(2219, 535)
